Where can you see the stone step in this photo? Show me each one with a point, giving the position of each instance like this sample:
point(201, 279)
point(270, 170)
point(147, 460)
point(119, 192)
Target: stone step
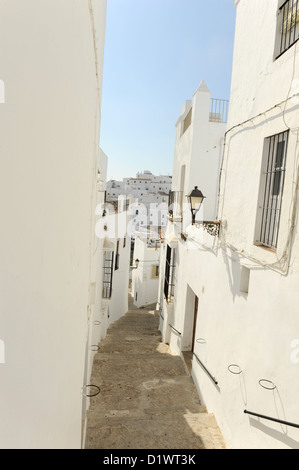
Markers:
point(185, 431)
point(137, 397)
point(133, 345)
point(125, 367)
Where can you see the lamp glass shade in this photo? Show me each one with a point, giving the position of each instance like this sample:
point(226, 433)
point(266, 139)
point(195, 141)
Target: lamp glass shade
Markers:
point(195, 199)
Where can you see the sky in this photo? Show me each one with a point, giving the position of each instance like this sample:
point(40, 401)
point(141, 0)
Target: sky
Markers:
point(156, 54)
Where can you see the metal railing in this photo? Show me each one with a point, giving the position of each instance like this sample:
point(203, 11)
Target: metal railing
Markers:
point(276, 420)
point(205, 369)
point(219, 110)
point(288, 25)
point(173, 328)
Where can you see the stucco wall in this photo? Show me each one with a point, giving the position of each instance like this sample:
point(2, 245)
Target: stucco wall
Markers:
point(49, 154)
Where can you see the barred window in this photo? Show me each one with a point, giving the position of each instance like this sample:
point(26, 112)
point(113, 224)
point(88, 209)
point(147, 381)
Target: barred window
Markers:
point(107, 274)
point(271, 189)
point(155, 272)
point(169, 275)
point(288, 25)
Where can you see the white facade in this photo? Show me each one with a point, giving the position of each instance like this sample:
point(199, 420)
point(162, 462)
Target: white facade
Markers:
point(235, 297)
point(143, 186)
point(145, 273)
point(51, 56)
point(198, 149)
point(150, 207)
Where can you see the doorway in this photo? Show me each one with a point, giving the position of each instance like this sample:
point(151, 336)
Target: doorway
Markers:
point(191, 315)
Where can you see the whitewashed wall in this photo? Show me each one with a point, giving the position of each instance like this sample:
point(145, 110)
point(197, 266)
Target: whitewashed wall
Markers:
point(51, 56)
point(255, 330)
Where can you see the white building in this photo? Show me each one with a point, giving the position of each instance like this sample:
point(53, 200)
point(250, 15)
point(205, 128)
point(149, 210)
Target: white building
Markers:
point(145, 271)
point(233, 298)
point(151, 193)
point(52, 177)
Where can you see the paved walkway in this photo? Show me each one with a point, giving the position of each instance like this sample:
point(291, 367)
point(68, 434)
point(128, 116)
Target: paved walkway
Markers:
point(148, 399)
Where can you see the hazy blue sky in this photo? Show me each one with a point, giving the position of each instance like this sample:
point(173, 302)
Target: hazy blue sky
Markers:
point(156, 54)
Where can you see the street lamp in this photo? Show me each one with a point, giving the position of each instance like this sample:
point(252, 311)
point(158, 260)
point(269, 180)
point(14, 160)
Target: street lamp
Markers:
point(195, 199)
point(136, 264)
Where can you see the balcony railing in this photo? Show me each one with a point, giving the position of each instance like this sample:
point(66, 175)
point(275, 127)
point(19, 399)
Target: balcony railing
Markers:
point(175, 205)
point(219, 110)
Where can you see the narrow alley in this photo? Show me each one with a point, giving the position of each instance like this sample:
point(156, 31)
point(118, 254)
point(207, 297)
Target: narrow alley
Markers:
point(147, 397)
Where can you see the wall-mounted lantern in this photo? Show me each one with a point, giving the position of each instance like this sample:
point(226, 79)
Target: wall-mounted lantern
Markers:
point(195, 199)
point(136, 264)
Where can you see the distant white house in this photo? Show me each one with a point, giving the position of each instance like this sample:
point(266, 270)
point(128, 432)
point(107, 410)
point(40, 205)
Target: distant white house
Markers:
point(229, 288)
point(150, 206)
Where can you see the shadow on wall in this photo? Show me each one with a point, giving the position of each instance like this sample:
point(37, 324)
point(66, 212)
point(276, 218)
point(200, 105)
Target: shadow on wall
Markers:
point(234, 273)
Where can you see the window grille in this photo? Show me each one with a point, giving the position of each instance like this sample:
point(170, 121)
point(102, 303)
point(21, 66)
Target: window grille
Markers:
point(108, 274)
point(117, 257)
point(169, 275)
point(288, 25)
point(272, 183)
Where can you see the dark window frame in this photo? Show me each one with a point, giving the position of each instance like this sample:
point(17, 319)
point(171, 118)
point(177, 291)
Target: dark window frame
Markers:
point(287, 26)
point(169, 274)
point(271, 187)
point(116, 266)
point(107, 274)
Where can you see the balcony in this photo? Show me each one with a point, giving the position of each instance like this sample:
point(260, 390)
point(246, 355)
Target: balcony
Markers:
point(219, 110)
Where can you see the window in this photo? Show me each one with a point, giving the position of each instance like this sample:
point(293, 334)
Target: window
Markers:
point(117, 257)
point(125, 241)
point(187, 121)
point(155, 272)
point(169, 275)
point(271, 190)
point(108, 274)
point(287, 25)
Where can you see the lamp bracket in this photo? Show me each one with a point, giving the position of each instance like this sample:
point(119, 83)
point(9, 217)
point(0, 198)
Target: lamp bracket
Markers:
point(211, 227)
